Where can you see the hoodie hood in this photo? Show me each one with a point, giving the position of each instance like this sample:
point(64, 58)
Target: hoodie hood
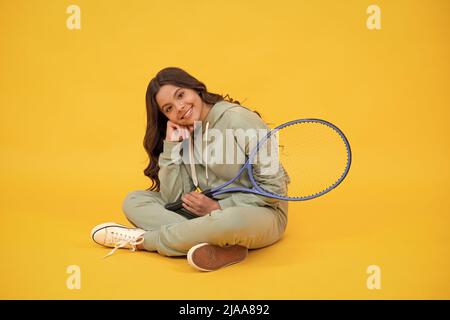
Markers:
point(216, 112)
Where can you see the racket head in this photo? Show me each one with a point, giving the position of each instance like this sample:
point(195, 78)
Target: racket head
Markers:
point(307, 159)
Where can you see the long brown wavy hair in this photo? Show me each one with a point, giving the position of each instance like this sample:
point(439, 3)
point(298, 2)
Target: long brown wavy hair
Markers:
point(157, 121)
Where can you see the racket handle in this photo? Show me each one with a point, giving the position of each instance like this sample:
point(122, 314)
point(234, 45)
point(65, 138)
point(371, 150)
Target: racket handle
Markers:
point(177, 205)
point(174, 206)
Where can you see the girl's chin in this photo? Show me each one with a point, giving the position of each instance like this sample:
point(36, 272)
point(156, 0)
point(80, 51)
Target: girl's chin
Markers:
point(190, 122)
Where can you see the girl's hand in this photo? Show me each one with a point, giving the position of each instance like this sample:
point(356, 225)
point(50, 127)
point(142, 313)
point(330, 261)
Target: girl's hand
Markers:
point(199, 204)
point(176, 132)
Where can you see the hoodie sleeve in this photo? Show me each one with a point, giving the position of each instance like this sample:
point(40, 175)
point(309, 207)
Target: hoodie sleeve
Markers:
point(173, 176)
point(275, 181)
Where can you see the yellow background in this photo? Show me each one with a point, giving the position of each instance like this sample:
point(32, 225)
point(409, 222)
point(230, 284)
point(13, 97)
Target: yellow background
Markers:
point(73, 120)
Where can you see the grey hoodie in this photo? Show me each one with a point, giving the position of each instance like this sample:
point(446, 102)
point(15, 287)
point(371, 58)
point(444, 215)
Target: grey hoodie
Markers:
point(182, 173)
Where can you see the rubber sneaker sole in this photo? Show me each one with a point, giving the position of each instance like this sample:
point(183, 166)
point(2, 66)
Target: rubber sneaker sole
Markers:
point(208, 257)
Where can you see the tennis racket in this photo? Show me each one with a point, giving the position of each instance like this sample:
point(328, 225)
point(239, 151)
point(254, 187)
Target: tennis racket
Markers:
point(315, 152)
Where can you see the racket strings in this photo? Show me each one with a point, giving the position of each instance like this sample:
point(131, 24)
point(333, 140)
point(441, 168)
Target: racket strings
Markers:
point(313, 153)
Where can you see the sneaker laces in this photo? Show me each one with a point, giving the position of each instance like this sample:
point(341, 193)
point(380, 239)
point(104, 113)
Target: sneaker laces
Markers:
point(121, 240)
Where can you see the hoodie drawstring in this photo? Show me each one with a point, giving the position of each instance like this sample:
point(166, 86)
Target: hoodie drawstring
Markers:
point(191, 158)
point(206, 151)
point(191, 162)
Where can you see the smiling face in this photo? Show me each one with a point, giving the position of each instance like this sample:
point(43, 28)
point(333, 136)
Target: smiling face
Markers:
point(180, 105)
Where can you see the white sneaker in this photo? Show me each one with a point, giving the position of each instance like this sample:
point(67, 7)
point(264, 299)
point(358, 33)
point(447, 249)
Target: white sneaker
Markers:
point(117, 236)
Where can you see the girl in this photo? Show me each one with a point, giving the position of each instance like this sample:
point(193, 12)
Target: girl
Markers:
point(224, 229)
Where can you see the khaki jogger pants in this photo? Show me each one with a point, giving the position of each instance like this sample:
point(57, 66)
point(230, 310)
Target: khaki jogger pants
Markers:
point(173, 235)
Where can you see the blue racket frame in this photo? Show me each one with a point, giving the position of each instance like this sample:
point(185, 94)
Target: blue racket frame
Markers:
point(215, 191)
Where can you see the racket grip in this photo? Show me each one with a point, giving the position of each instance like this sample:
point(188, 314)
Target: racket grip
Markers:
point(174, 206)
point(177, 205)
